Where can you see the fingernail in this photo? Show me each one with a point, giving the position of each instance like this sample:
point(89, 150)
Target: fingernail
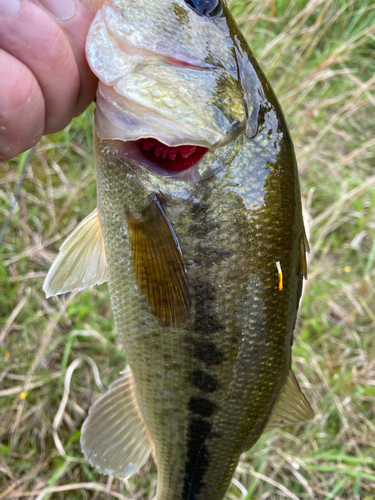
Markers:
point(61, 9)
point(9, 8)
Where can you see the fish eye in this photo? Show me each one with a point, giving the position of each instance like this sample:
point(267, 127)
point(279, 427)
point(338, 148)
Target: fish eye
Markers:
point(208, 8)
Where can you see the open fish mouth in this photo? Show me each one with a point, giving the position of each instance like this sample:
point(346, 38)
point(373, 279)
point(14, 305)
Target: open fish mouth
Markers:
point(173, 159)
point(160, 158)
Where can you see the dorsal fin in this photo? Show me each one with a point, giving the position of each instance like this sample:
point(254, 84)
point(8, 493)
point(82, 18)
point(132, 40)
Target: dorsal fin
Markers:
point(114, 438)
point(81, 261)
point(158, 266)
point(292, 406)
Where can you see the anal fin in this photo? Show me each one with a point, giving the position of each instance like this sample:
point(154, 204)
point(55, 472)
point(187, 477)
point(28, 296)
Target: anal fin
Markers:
point(292, 406)
point(114, 438)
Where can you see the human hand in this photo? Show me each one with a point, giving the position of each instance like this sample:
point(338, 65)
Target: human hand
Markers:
point(44, 77)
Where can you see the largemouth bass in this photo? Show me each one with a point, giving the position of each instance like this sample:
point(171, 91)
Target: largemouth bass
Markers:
point(199, 233)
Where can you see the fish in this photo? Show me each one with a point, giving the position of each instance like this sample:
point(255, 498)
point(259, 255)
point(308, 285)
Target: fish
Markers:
point(199, 233)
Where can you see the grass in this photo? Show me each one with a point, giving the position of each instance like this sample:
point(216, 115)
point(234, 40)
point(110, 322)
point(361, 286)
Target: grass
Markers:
point(56, 355)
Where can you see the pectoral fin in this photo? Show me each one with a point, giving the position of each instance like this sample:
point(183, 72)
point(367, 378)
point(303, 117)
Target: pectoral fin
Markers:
point(158, 266)
point(292, 406)
point(114, 438)
point(81, 261)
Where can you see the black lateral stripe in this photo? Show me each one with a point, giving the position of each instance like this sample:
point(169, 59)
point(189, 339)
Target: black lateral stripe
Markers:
point(201, 406)
point(197, 458)
point(208, 353)
point(205, 321)
point(204, 381)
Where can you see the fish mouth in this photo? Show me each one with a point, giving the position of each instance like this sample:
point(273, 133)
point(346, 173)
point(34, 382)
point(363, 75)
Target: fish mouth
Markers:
point(160, 158)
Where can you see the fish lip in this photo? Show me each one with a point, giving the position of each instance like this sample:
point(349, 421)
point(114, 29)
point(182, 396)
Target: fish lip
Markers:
point(181, 63)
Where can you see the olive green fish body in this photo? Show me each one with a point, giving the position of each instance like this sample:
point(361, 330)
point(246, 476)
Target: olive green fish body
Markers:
point(204, 261)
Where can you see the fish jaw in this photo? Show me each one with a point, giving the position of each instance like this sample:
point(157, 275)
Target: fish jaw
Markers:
point(164, 87)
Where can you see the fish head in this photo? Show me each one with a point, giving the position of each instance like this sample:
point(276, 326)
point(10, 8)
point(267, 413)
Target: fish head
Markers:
point(170, 81)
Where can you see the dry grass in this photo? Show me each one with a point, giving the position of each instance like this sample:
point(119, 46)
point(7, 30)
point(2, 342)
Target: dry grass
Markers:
point(56, 355)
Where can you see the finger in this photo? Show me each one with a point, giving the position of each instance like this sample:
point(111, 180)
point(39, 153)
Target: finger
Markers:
point(32, 37)
point(74, 19)
point(21, 108)
point(93, 5)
